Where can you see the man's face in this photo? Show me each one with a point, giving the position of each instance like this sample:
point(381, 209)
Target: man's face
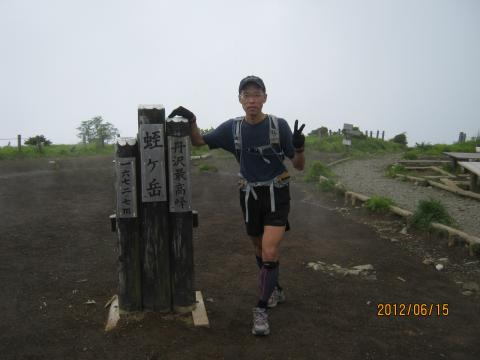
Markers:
point(252, 99)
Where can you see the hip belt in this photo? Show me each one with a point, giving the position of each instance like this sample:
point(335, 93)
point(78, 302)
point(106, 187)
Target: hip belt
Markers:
point(279, 181)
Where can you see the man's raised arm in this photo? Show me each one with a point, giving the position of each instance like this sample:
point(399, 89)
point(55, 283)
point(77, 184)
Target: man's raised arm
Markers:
point(195, 136)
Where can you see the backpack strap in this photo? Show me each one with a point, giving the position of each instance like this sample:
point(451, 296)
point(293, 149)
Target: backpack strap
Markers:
point(274, 130)
point(237, 136)
point(275, 137)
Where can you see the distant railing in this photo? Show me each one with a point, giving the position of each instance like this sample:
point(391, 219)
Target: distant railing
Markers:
point(19, 141)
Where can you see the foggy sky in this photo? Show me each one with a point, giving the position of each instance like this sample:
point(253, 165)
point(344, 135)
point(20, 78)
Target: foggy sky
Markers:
point(393, 65)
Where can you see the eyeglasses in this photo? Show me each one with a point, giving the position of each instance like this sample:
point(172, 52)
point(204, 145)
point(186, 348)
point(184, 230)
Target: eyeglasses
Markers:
point(254, 96)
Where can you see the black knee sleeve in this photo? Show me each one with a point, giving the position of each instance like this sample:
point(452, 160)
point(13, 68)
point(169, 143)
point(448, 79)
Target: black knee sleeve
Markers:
point(270, 264)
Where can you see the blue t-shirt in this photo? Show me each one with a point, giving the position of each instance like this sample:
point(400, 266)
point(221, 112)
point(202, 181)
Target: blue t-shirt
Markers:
point(253, 166)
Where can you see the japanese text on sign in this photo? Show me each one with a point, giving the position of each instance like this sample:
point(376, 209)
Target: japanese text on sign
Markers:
point(179, 165)
point(126, 188)
point(153, 162)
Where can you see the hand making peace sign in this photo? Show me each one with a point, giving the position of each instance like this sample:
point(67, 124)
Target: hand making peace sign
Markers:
point(298, 139)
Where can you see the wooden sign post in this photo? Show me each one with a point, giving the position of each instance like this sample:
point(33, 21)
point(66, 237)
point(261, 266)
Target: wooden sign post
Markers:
point(154, 218)
point(129, 273)
point(155, 249)
point(181, 219)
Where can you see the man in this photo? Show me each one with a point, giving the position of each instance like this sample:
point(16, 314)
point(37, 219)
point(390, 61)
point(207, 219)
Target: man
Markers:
point(259, 142)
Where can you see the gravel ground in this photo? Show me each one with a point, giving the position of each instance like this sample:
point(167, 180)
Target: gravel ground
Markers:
point(367, 176)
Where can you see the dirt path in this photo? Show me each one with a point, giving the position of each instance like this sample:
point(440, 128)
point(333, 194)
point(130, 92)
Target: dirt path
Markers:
point(57, 252)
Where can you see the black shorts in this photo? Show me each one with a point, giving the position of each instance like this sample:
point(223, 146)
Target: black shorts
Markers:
point(259, 211)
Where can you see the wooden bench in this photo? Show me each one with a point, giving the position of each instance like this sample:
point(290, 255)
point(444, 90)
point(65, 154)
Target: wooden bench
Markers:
point(473, 169)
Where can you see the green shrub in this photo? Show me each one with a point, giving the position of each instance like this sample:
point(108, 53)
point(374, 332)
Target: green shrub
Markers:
point(395, 169)
point(411, 155)
point(429, 211)
point(400, 139)
point(378, 204)
point(326, 185)
point(315, 170)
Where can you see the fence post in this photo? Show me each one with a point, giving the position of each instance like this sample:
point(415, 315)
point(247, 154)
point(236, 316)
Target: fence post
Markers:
point(155, 248)
point(370, 133)
point(19, 141)
point(366, 133)
point(129, 270)
point(383, 135)
point(181, 219)
point(378, 133)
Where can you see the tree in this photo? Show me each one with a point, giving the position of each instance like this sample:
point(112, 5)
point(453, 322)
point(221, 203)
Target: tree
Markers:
point(38, 140)
point(206, 131)
point(95, 130)
point(400, 139)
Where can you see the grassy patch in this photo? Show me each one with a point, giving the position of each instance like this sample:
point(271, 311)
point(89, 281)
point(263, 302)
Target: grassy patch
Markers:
point(426, 149)
point(316, 169)
point(27, 152)
point(360, 145)
point(429, 211)
point(207, 167)
point(199, 150)
point(378, 204)
point(62, 150)
point(395, 169)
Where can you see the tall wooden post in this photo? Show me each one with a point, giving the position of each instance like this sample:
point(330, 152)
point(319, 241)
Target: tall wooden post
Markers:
point(370, 133)
point(366, 133)
point(181, 220)
point(383, 135)
point(155, 249)
point(128, 231)
point(19, 142)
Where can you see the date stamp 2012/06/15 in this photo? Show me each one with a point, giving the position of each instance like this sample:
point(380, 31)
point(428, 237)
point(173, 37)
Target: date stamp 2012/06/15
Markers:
point(412, 309)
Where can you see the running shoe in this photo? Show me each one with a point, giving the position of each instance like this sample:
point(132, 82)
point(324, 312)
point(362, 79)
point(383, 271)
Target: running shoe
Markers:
point(260, 322)
point(277, 297)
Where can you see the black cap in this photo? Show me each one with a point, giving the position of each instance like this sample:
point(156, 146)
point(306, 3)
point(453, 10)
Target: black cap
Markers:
point(251, 79)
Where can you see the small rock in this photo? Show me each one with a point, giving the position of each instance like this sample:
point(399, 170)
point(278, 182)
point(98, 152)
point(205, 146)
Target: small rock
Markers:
point(443, 260)
point(401, 279)
point(471, 286)
point(209, 299)
point(467, 293)
point(404, 231)
point(428, 261)
point(393, 240)
point(353, 272)
point(369, 302)
point(365, 267)
point(372, 277)
point(439, 267)
point(90, 302)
